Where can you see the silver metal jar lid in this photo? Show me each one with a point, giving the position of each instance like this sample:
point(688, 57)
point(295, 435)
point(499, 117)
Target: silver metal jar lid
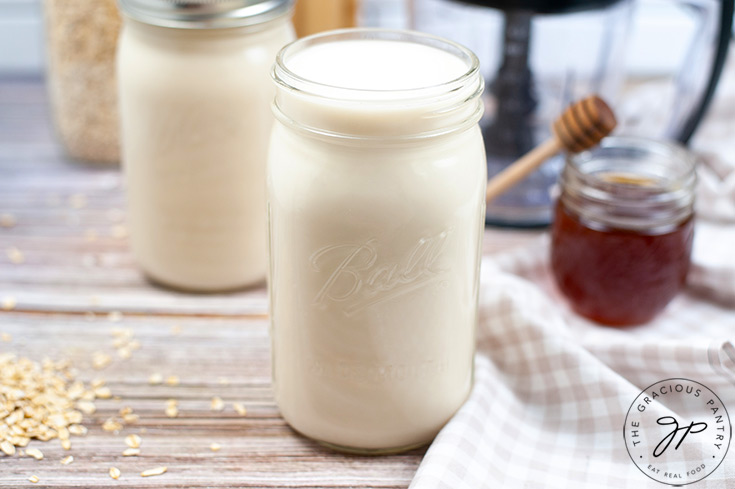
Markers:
point(204, 14)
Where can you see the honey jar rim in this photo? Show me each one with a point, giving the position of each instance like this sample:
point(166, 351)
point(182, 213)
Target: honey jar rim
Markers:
point(654, 191)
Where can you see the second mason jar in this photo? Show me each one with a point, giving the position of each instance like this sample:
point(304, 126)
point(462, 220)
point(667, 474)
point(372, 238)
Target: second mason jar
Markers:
point(195, 98)
point(376, 178)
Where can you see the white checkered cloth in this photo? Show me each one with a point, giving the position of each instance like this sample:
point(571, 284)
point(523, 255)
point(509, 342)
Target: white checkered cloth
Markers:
point(552, 389)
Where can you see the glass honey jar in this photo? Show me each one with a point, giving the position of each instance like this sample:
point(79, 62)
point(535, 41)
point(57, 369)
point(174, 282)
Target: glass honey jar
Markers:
point(623, 228)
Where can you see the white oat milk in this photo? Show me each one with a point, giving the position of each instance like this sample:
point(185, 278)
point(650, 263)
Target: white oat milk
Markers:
point(195, 97)
point(376, 178)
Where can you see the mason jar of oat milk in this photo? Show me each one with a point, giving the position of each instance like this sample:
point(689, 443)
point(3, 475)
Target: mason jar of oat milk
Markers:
point(195, 96)
point(376, 178)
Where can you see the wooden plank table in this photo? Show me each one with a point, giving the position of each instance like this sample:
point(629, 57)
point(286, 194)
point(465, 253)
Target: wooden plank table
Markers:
point(78, 286)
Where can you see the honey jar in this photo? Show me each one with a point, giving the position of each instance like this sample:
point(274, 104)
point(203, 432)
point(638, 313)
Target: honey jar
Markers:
point(623, 228)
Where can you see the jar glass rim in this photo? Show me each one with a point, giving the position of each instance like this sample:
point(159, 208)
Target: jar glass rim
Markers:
point(287, 79)
point(678, 159)
point(205, 14)
point(631, 183)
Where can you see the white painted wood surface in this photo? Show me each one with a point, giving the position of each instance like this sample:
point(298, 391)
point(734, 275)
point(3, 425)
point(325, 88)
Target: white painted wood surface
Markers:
point(216, 344)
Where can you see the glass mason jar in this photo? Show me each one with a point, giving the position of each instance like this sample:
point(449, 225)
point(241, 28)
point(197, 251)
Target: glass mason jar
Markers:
point(623, 229)
point(195, 98)
point(376, 181)
point(81, 39)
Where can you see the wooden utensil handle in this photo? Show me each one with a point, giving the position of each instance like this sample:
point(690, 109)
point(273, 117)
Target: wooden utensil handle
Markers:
point(522, 167)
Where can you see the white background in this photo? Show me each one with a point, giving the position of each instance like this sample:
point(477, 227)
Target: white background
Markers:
point(21, 35)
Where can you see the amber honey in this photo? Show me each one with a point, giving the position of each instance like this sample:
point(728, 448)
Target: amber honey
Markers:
point(618, 276)
point(623, 230)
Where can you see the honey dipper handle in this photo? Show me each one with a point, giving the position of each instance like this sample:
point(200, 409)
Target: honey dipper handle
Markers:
point(522, 167)
point(581, 126)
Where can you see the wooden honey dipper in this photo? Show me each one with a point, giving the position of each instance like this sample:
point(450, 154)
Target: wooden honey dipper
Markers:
point(580, 127)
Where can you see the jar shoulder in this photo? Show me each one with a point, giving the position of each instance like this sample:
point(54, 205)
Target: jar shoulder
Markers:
point(193, 50)
point(302, 170)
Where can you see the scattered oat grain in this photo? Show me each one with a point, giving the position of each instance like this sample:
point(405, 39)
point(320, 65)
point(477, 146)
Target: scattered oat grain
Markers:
point(124, 334)
point(155, 379)
point(15, 255)
point(103, 392)
point(155, 471)
point(239, 408)
point(34, 478)
point(114, 473)
point(128, 416)
point(67, 460)
point(7, 220)
point(131, 418)
point(131, 452)
point(7, 448)
point(66, 444)
point(101, 360)
point(20, 441)
point(124, 353)
point(217, 404)
point(112, 425)
point(9, 303)
point(77, 429)
point(172, 380)
point(35, 453)
point(133, 441)
point(215, 447)
point(172, 409)
point(87, 407)
point(74, 418)
point(114, 316)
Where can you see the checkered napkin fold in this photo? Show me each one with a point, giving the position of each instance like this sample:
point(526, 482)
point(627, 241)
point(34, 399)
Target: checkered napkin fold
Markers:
point(552, 389)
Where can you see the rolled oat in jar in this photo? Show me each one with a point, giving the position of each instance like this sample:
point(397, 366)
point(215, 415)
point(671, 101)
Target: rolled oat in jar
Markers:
point(81, 43)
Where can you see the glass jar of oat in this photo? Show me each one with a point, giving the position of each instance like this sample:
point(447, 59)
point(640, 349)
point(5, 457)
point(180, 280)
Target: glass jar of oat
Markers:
point(81, 38)
point(195, 98)
point(376, 178)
